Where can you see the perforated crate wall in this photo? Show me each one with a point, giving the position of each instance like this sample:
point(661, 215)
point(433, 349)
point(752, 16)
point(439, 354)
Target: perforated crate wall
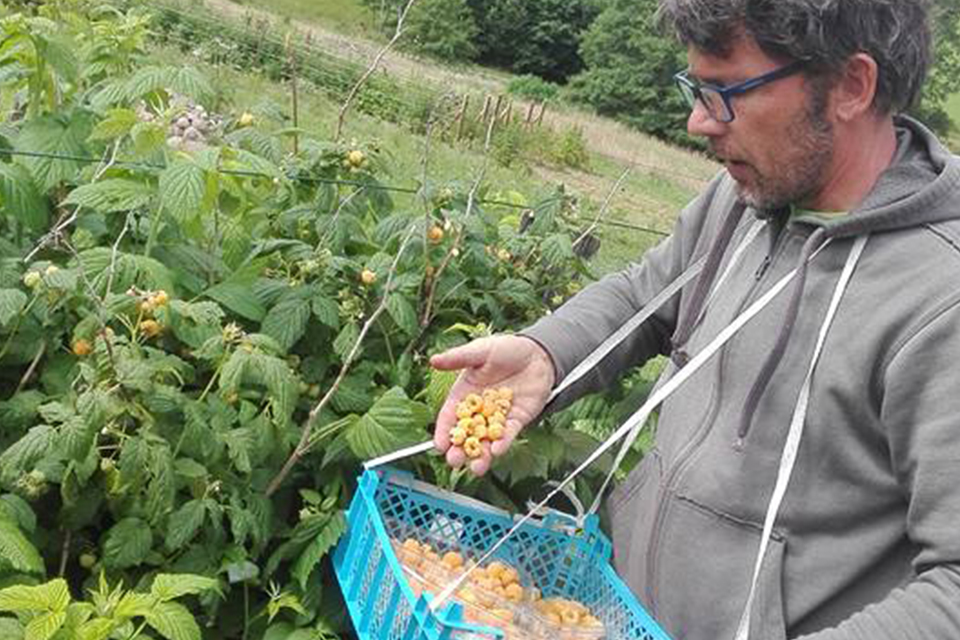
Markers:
point(554, 555)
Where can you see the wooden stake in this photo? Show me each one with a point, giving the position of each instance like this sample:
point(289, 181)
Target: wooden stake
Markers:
point(543, 108)
point(292, 64)
point(486, 109)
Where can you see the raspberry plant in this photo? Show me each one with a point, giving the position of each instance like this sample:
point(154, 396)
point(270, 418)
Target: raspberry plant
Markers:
point(171, 313)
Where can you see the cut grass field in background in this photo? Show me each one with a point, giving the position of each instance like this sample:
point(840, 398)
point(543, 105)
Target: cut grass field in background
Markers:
point(348, 17)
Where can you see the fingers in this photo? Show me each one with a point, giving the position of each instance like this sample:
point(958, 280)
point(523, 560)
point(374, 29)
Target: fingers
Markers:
point(467, 356)
point(510, 434)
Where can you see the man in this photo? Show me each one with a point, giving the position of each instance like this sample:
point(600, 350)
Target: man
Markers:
point(799, 101)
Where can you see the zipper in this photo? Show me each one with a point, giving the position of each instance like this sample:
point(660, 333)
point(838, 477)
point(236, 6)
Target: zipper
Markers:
point(700, 435)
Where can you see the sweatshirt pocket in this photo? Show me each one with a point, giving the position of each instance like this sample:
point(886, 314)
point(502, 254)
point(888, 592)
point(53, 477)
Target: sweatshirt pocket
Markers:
point(704, 570)
point(630, 507)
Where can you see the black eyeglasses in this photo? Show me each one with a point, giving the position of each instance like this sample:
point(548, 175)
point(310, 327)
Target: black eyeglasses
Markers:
point(716, 99)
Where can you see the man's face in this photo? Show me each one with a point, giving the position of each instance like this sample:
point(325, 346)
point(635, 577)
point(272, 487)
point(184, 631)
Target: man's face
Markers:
point(779, 146)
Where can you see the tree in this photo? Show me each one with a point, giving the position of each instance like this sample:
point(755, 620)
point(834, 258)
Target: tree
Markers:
point(443, 29)
point(630, 67)
point(942, 80)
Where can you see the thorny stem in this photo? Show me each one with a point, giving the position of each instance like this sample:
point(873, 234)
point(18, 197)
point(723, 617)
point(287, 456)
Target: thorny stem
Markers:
point(33, 367)
point(603, 209)
point(336, 216)
point(373, 67)
point(303, 446)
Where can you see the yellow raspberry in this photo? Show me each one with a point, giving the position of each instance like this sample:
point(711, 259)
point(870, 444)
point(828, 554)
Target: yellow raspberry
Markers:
point(472, 447)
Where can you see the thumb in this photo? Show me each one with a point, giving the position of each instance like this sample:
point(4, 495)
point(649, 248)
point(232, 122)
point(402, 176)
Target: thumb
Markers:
point(467, 356)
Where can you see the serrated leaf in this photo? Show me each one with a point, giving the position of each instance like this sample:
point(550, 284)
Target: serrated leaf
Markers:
point(21, 199)
point(520, 292)
point(18, 511)
point(26, 452)
point(173, 621)
point(169, 586)
point(58, 135)
point(318, 548)
point(50, 596)
point(134, 605)
point(17, 551)
point(343, 344)
point(438, 386)
point(127, 543)
point(183, 190)
point(326, 311)
point(44, 626)
point(96, 629)
point(403, 313)
point(389, 425)
point(117, 123)
point(112, 195)
point(239, 443)
point(184, 523)
point(557, 249)
point(287, 322)
point(12, 302)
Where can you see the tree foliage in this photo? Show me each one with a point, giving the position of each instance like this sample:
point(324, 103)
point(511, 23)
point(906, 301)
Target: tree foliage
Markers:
point(443, 29)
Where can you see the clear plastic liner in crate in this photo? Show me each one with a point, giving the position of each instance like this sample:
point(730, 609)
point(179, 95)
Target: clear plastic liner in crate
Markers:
point(408, 540)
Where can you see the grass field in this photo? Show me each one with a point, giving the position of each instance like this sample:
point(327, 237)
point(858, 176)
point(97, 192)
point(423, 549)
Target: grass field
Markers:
point(349, 17)
point(953, 108)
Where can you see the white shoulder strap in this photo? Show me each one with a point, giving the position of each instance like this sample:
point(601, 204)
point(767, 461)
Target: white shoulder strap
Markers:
point(792, 444)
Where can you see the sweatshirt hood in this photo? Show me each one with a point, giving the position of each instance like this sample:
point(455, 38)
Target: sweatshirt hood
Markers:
point(914, 190)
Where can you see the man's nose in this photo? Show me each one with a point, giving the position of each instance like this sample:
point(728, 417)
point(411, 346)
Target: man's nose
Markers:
point(701, 123)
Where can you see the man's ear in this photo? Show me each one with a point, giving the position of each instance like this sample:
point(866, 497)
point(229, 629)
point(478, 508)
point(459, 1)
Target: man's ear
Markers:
point(854, 88)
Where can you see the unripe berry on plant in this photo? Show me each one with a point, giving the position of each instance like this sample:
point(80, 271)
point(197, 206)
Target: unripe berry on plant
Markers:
point(87, 560)
point(82, 347)
point(32, 279)
point(246, 119)
point(150, 328)
point(52, 269)
point(356, 158)
point(160, 298)
point(368, 277)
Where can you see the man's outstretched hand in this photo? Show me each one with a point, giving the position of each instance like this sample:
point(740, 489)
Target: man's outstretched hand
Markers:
point(498, 361)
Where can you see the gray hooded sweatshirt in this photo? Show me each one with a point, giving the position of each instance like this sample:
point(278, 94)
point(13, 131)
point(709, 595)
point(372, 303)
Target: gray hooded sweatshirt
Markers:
point(866, 545)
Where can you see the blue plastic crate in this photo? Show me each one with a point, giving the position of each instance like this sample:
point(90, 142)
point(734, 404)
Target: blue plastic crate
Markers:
point(561, 559)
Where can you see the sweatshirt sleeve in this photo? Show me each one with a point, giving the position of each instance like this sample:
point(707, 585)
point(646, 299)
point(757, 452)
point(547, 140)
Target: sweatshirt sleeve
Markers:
point(921, 412)
point(574, 330)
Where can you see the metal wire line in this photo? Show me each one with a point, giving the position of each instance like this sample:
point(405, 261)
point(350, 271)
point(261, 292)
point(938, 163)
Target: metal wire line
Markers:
point(307, 179)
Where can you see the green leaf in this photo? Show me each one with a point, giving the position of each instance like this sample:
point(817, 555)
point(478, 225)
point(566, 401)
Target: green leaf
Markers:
point(96, 629)
point(327, 311)
point(17, 551)
point(169, 586)
point(55, 136)
point(26, 452)
point(557, 249)
point(173, 621)
point(53, 596)
point(127, 543)
point(183, 190)
point(21, 199)
point(45, 625)
point(116, 124)
point(520, 292)
point(112, 195)
point(391, 423)
point(239, 298)
point(344, 342)
point(403, 313)
point(12, 302)
point(287, 322)
point(184, 523)
point(318, 548)
point(18, 511)
point(438, 386)
point(134, 605)
point(239, 444)
point(10, 629)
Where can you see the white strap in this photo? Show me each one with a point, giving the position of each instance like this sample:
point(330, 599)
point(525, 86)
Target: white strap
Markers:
point(792, 444)
point(638, 418)
point(748, 238)
point(605, 347)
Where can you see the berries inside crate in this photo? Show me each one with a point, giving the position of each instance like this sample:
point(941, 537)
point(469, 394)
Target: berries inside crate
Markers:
point(553, 554)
